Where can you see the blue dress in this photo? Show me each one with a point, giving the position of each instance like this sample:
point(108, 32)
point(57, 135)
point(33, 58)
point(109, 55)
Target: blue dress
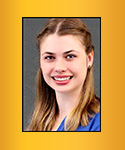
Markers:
point(94, 124)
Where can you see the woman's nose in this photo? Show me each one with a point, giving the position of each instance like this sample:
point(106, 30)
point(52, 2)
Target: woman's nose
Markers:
point(60, 66)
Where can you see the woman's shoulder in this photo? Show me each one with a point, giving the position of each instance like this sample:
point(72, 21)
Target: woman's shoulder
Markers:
point(94, 124)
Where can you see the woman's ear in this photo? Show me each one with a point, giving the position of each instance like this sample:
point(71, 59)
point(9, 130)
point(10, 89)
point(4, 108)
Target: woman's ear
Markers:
point(90, 59)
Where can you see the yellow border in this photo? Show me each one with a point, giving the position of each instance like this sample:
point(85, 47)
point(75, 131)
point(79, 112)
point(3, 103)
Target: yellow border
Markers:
point(111, 136)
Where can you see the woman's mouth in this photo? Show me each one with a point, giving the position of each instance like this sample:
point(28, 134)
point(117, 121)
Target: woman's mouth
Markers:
point(62, 80)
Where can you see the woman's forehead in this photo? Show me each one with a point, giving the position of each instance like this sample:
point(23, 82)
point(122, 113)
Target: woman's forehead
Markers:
point(66, 42)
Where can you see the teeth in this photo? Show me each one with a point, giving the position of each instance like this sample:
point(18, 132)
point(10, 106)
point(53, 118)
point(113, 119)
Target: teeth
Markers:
point(62, 79)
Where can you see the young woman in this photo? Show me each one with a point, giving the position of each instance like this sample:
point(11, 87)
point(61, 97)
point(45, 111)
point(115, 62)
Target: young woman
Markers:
point(65, 92)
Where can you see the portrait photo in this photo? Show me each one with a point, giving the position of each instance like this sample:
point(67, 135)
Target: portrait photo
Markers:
point(61, 74)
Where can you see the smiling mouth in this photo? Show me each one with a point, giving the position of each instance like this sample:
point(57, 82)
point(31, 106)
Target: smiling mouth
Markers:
point(62, 78)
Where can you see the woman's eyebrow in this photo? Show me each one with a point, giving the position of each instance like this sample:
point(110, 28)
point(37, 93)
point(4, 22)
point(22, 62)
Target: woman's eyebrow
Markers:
point(50, 53)
point(70, 51)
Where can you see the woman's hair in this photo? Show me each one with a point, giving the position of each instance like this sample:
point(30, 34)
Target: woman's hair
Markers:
point(46, 107)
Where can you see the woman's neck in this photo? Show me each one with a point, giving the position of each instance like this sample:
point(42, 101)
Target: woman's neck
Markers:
point(67, 102)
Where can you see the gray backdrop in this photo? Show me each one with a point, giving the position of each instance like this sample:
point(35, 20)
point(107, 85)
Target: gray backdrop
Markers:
point(31, 28)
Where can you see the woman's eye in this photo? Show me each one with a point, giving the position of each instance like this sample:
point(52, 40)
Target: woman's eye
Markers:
point(70, 56)
point(49, 57)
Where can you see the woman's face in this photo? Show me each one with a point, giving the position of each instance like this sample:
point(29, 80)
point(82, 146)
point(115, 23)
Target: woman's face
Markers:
point(64, 62)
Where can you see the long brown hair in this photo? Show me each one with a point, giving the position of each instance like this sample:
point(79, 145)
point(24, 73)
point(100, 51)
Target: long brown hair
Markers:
point(46, 107)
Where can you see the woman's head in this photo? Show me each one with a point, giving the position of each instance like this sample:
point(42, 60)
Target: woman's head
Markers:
point(65, 54)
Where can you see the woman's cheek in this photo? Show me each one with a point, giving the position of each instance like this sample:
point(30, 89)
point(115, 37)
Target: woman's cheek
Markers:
point(47, 69)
